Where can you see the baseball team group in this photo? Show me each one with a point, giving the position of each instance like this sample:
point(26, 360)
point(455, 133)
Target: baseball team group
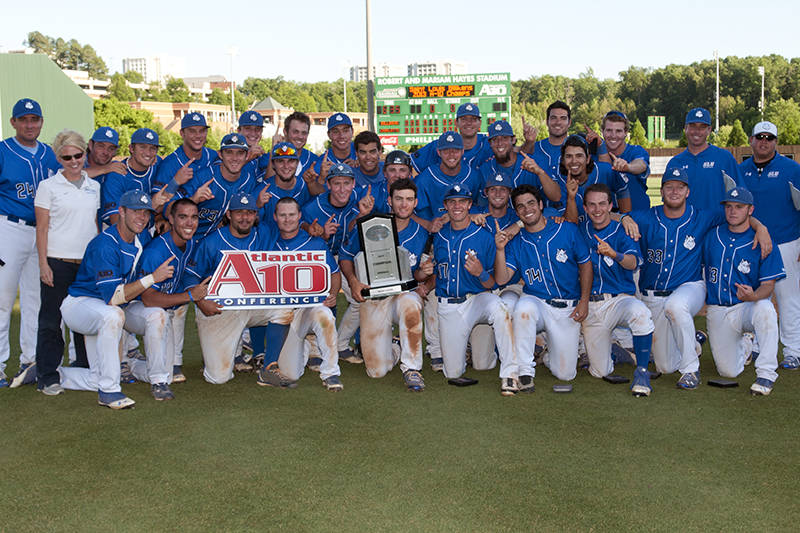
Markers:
point(527, 253)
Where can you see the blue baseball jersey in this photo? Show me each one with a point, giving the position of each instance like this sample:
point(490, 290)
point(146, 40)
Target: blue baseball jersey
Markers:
point(428, 156)
point(333, 159)
point(771, 188)
point(412, 238)
point(158, 251)
point(706, 182)
point(450, 251)
point(433, 185)
point(320, 209)
point(601, 173)
point(637, 183)
point(108, 262)
point(548, 260)
point(116, 184)
point(174, 161)
point(21, 171)
point(609, 276)
point(729, 258)
point(299, 192)
point(672, 247)
point(304, 241)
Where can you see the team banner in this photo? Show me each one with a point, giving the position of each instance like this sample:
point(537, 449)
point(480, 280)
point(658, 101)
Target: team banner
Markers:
point(274, 279)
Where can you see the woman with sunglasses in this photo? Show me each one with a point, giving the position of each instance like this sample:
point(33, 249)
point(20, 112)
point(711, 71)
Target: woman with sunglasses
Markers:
point(66, 208)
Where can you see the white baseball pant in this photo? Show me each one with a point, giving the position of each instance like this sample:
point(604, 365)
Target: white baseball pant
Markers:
point(220, 336)
point(293, 358)
point(456, 321)
point(377, 317)
point(725, 328)
point(533, 315)
point(674, 334)
point(605, 315)
point(20, 271)
point(787, 294)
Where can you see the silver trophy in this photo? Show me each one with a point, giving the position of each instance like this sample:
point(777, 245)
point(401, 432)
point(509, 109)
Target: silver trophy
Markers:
point(381, 263)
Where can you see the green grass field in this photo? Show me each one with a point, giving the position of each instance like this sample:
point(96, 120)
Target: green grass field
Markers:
point(377, 458)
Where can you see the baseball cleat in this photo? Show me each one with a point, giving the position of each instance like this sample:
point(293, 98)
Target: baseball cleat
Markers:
point(161, 392)
point(641, 382)
point(689, 381)
point(114, 400)
point(437, 364)
point(270, 376)
point(413, 380)
point(621, 355)
point(350, 356)
point(525, 384)
point(242, 363)
point(333, 384)
point(177, 374)
point(25, 376)
point(508, 386)
point(54, 389)
point(125, 374)
point(790, 362)
point(761, 387)
point(314, 363)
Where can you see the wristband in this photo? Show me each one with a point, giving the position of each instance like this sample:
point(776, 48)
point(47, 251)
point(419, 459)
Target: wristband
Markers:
point(189, 292)
point(484, 277)
point(147, 281)
point(172, 186)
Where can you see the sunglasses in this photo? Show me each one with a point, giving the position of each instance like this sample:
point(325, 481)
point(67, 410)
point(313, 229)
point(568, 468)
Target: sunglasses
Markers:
point(71, 157)
point(284, 150)
point(765, 137)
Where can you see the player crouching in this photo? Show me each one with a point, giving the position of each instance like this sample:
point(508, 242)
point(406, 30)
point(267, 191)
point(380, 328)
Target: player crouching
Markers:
point(405, 309)
point(739, 285)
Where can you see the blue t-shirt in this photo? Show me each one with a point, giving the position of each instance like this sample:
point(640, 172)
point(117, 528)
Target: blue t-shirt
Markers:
point(772, 196)
point(609, 276)
point(450, 251)
point(20, 174)
point(706, 184)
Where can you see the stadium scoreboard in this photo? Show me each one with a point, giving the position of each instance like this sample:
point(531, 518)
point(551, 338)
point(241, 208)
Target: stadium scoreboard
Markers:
point(417, 109)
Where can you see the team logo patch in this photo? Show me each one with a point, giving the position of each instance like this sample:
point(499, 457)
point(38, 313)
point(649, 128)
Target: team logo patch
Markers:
point(109, 134)
point(561, 255)
point(744, 266)
point(689, 242)
point(608, 260)
point(28, 105)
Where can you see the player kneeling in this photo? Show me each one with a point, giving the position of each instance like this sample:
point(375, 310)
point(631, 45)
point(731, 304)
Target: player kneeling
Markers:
point(404, 309)
point(290, 364)
point(614, 257)
point(739, 286)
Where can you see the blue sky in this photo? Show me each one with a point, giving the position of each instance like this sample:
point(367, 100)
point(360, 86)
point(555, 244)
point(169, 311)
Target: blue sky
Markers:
point(313, 40)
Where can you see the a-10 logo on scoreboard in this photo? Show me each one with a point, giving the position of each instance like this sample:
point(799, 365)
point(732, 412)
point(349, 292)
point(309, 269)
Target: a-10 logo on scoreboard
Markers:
point(252, 280)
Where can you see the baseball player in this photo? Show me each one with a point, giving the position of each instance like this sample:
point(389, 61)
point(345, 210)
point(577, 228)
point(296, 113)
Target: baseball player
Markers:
point(555, 266)
point(404, 309)
point(285, 369)
point(475, 145)
point(24, 162)
point(462, 253)
point(774, 181)
point(670, 276)
point(740, 282)
point(220, 330)
point(191, 157)
point(711, 170)
point(96, 307)
point(630, 161)
point(547, 152)
point(103, 148)
point(614, 257)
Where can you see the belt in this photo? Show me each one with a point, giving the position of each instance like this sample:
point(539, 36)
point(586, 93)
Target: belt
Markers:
point(74, 261)
point(601, 297)
point(561, 304)
point(648, 292)
point(17, 220)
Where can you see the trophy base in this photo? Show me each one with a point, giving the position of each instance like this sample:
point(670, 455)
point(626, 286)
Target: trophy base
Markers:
point(389, 290)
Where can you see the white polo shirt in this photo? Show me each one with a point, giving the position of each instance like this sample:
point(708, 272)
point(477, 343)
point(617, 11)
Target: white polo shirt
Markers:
point(73, 214)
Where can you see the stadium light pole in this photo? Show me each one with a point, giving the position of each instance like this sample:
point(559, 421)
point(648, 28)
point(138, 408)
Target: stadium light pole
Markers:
point(716, 57)
point(761, 103)
point(370, 76)
point(232, 51)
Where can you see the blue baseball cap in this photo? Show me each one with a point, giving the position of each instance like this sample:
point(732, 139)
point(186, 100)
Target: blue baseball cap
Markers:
point(458, 191)
point(468, 110)
point(243, 201)
point(233, 141)
point(698, 115)
point(104, 134)
point(341, 169)
point(145, 136)
point(337, 119)
point(450, 139)
point(498, 180)
point(501, 128)
point(135, 199)
point(740, 195)
point(675, 174)
point(26, 106)
point(284, 151)
point(193, 119)
point(251, 118)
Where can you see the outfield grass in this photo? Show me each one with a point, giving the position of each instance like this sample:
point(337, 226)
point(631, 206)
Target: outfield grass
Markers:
point(377, 458)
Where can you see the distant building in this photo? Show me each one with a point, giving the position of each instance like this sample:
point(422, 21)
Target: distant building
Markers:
point(155, 68)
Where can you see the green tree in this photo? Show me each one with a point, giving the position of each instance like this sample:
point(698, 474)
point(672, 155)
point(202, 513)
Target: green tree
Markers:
point(638, 135)
point(737, 136)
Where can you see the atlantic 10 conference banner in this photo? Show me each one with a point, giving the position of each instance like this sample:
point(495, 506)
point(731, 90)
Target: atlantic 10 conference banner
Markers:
point(254, 280)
